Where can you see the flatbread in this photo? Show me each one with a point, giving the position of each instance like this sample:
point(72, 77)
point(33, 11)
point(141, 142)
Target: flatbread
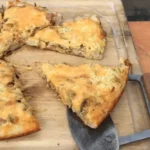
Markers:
point(16, 118)
point(92, 91)
point(84, 37)
point(20, 21)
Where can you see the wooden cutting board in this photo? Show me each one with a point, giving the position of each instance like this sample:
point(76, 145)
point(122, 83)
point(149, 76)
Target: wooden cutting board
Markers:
point(130, 115)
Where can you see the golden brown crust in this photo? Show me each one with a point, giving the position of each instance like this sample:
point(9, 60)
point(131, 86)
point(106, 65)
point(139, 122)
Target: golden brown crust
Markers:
point(20, 21)
point(91, 91)
point(16, 118)
point(23, 134)
point(84, 38)
point(113, 106)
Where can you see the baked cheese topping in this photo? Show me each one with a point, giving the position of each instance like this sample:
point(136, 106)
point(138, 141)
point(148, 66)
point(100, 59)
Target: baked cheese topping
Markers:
point(90, 90)
point(83, 38)
point(25, 17)
point(16, 119)
point(20, 21)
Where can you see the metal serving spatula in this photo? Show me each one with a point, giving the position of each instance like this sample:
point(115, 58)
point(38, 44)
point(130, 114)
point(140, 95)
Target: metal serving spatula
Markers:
point(105, 137)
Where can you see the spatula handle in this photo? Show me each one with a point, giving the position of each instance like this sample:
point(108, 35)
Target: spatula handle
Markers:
point(134, 137)
point(140, 135)
point(139, 79)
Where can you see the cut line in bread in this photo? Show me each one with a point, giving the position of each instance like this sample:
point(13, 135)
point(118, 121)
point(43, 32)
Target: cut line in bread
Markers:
point(83, 37)
point(20, 21)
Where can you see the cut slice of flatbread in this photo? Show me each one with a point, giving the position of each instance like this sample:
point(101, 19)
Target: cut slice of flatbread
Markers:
point(16, 118)
point(92, 91)
point(83, 37)
point(20, 21)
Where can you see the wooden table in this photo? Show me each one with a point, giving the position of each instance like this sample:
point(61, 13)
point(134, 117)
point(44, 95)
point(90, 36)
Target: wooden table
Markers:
point(141, 36)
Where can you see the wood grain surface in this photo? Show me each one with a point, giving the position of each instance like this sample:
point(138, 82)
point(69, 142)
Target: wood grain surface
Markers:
point(129, 116)
point(141, 34)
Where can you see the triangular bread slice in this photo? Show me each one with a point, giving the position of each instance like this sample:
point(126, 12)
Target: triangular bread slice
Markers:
point(92, 91)
point(84, 37)
point(16, 118)
point(20, 21)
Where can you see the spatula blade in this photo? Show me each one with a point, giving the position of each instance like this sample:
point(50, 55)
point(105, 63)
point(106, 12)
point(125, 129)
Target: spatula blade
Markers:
point(103, 138)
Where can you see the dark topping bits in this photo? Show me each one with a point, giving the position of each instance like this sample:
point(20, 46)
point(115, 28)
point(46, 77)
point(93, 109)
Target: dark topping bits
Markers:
point(81, 46)
point(29, 30)
point(91, 101)
point(2, 121)
point(51, 85)
point(113, 88)
point(17, 76)
point(116, 79)
point(11, 84)
point(127, 63)
point(18, 101)
point(70, 80)
point(35, 30)
point(5, 20)
point(2, 9)
point(10, 25)
point(13, 119)
point(66, 63)
point(24, 109)
point(71, 93)
point(84, 104)
point(47, 43)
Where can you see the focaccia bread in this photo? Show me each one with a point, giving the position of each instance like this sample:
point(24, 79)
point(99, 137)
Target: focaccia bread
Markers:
point(20, 21)
point(16, 118)
point(84, 37)
point(91, 91)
